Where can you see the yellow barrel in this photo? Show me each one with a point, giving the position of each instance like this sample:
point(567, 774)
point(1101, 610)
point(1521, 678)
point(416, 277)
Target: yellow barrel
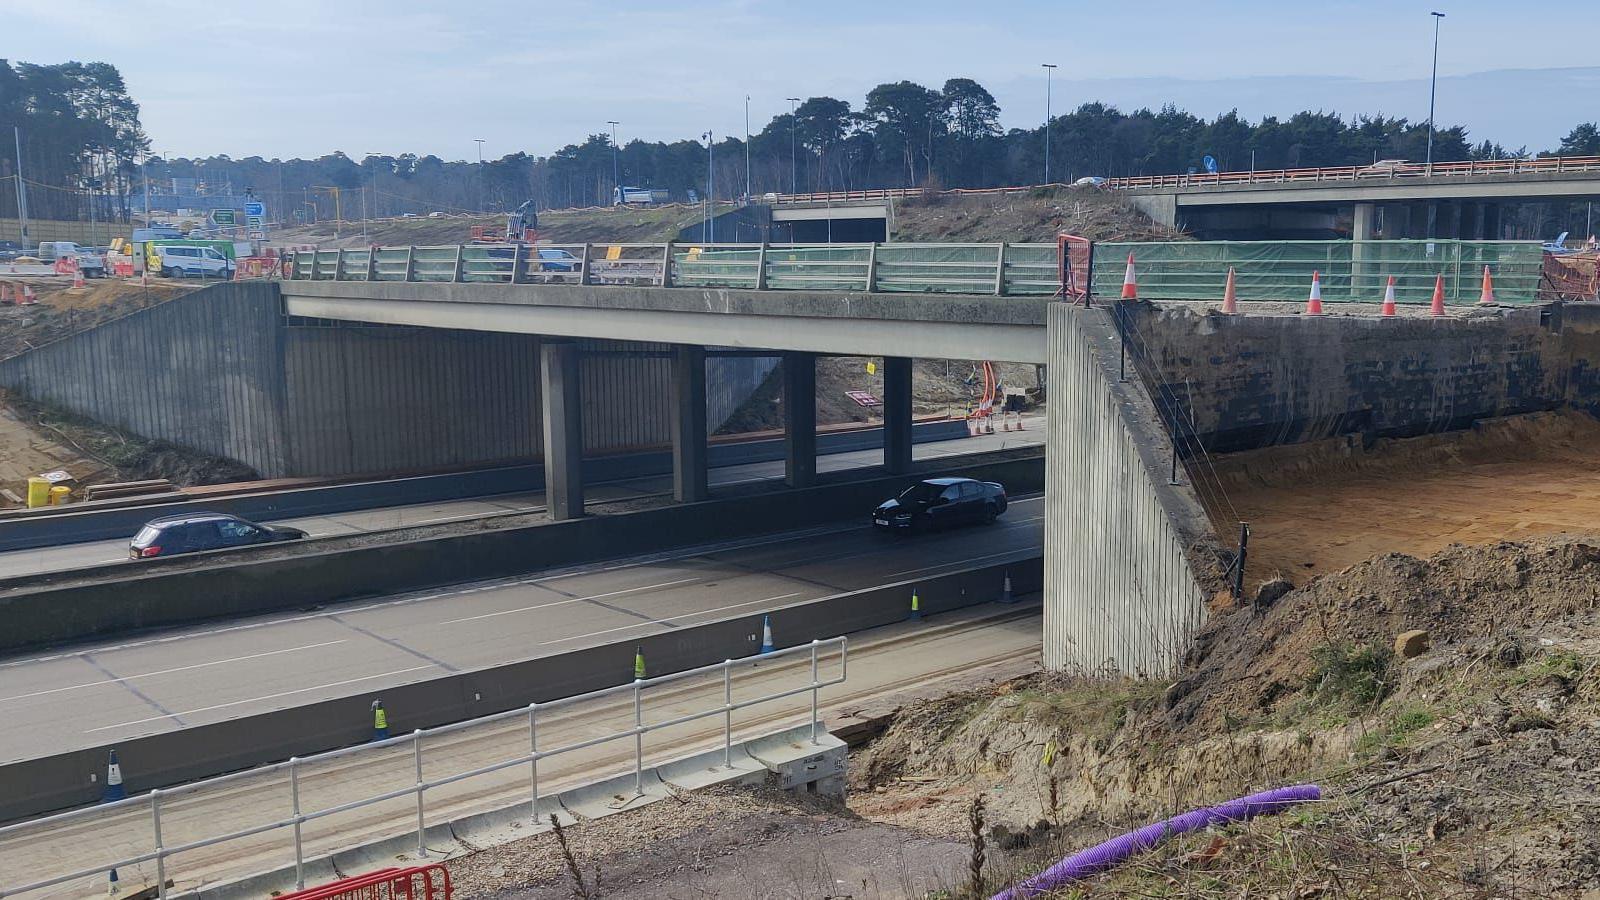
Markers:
point(60, 494)
point(38, 492)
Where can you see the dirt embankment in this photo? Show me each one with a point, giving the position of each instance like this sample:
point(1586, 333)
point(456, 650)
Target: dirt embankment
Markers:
point(1035, 216)
point(63, 310)
point(632, 224)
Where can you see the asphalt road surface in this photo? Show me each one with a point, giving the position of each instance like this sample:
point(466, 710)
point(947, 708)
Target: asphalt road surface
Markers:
point(92, 553)
point(96, 694)
point(884, 663)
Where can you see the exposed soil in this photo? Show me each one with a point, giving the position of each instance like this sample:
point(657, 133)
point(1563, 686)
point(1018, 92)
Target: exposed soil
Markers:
point(1323, 506)
point(569, 226)
point(1036, 216)
point(63, 310)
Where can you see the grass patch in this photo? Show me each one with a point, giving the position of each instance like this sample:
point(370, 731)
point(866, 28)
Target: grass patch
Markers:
point(1354, 675)
point(1396, 730)
point(1090, 708)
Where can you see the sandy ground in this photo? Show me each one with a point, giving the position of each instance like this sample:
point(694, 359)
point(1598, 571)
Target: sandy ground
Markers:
point(27, 449)
point(1319, 508)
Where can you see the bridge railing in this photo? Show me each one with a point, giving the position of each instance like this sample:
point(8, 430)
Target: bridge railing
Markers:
point(996, 269)
point(695, 709)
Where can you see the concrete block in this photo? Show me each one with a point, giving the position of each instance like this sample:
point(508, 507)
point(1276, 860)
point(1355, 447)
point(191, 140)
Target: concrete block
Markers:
point(509, 823)
point(707, 769)
point(800, 764)
point(614, 795)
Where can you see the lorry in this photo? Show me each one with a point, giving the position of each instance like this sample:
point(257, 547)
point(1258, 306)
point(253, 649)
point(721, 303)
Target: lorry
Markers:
point(91, 262)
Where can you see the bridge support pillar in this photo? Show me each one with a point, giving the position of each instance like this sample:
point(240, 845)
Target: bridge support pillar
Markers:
point(1491, 221)
point(1361, 230)
point(897, 414)
point(563, 428)
point(689, 482)
point(800, 418)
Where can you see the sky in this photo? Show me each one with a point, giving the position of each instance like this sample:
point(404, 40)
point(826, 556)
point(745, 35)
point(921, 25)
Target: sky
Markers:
point(302, 78)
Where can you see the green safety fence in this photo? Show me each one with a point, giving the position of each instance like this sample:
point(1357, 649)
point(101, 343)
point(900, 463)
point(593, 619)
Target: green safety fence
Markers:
point(1351, 271)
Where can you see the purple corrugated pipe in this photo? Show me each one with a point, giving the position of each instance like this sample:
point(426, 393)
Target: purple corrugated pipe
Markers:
point(1113, 852)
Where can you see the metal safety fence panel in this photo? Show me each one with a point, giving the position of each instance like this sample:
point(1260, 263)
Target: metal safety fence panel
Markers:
point(308, 807)
point(1350, 271)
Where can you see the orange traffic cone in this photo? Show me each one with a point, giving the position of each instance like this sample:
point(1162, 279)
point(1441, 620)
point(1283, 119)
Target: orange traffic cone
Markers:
point(1487, 297)
point(1438, 295)
point(1130, 282)
point(1314, 302)
point(28, 298)
point(77, 274)
point(1388, 299)
point(1230, 300)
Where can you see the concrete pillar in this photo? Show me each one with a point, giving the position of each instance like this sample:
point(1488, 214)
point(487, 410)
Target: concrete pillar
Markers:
point(563, 429)
point(1450, 221)
point(1491, 221)
point(689, 424)
point(800, 418)
point(1360, 231)
point(897, 414)
point(1433, 220)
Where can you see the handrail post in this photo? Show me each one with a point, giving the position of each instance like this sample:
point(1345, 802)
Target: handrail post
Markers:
point(294, 807)
point(815, 687)
point(517, 262)
point(372, 263)
point(411, 263)
point(727, 713)
point(161, 857)
point(338, 266)
point(638, 740)
point(666, 264)
point(460, 273)
point(533, 762)
point(316, 264)
point(416, 753)
point(583, 265)
point(761, 267)
point(872, 267)
point(1000, 271)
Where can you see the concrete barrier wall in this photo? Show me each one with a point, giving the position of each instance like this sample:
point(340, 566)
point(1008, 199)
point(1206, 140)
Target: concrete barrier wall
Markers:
point(172, 592)
point(1120, 594)
point(50, 783)
point(53, 527)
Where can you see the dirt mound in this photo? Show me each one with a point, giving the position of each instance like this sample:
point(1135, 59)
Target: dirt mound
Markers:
point(1038, 215)
point(111, 454)
point(63, 310)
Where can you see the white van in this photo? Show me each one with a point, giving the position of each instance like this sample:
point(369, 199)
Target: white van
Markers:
point(187, 262)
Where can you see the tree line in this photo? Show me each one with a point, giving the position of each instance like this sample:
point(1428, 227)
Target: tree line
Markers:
point(84, 129)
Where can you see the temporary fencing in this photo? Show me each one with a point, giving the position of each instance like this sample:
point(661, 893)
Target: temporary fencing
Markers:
point(415, 883)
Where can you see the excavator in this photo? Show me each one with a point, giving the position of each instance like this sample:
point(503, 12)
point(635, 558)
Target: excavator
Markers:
point(522, 227)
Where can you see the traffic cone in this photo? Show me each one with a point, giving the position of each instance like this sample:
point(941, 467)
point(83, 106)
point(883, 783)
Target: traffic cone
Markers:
point(380, 721)
point(1005, 590)
point(28, 296)
point(77, 274)
point(1314, 301)
point(766, 635)
point(111, 886)
point(1487, 297)
point(1388, 299)
point(1230, 300)
point(1130, 282)
point(113, 790)
point(638, 663)
point(916, 605)
point(1438, 295)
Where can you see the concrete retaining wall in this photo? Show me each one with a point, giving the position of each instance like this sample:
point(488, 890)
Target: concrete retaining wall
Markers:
point(173, 592)
point(37, 786)
point(1120, 594)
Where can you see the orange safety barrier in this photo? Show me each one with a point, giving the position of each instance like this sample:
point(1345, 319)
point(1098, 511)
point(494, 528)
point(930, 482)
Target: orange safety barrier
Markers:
point(416, 883)
point(1074, 263)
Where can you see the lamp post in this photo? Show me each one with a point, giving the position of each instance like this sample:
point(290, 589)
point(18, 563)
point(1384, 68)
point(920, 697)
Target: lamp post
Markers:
point(1433, 86)
point(1049, 76)
point(746, 147)
point(794, 170)
point(479, 142)
point(711, 203)
point(616, 165)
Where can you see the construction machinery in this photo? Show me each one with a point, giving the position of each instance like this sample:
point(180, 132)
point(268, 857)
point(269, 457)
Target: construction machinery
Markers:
point(522, 227)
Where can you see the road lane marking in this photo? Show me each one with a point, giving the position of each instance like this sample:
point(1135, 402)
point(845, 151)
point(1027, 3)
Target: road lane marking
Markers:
point(190, 712)
point(216, 662)
point(579, 637)
point(522, 609)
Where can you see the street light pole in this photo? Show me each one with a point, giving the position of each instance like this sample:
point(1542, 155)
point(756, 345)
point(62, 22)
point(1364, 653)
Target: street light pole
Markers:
point(747, 146)
point(479, 142)
point(711, 194)
point(1433, 86)
point(616, 165)
point(794, 170)
point(1049, 76)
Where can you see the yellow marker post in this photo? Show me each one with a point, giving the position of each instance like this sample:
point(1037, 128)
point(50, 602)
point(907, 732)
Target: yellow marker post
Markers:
point(638, 663)
point(380, 721)
point(916, 605)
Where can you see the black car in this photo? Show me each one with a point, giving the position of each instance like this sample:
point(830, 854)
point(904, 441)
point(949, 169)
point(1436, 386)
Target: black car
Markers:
point(939, 503)
point(193, 532)
point(10, 250)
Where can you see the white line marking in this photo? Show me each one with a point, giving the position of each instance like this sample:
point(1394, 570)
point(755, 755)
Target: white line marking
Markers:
point(954, 562)
point(522, 609)
point(218, 662)
point(190, 712)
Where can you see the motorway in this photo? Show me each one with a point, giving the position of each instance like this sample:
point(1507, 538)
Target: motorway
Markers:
point(77, 556)
point(96, 694)
point(884, 662)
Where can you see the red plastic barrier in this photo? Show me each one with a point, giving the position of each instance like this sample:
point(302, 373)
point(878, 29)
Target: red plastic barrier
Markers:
point(416, 883)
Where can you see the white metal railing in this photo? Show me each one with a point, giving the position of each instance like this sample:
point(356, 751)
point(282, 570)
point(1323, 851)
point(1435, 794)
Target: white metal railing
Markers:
point(994, 269)
point(155, 799)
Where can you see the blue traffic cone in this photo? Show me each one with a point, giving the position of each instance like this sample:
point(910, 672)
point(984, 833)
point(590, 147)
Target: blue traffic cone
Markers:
point(380, 721)
point(766, 635)
point(114, 790)
point(112, 887)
